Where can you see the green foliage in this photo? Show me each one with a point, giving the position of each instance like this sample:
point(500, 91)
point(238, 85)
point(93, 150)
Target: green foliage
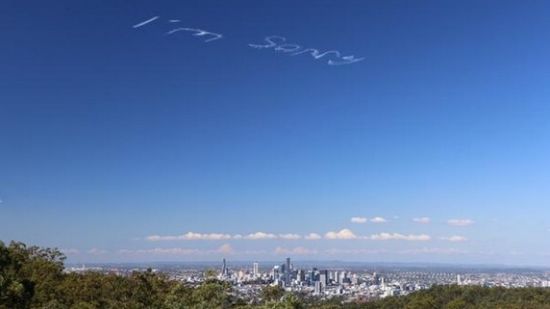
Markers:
point(28, 275)
point(210, 273)
point(272, 293)
point(32, 277)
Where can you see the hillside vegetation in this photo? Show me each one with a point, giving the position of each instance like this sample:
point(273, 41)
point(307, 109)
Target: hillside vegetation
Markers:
point(33, 277)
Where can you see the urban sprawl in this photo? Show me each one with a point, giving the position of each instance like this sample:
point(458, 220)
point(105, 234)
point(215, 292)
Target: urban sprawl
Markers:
point(351, 283)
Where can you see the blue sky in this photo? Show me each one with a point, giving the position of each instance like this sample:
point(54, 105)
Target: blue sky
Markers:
point(123, 143)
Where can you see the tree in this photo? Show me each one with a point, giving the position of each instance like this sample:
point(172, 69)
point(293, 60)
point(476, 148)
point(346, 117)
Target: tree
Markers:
point(33, 277)
point(272, 293)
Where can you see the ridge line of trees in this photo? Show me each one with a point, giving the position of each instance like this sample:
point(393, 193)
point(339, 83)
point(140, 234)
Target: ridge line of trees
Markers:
point(33, 277)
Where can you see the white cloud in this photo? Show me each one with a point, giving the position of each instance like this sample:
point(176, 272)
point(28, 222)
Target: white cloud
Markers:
point(290, 236)
point(260, 235)
point(313, 236)
point(460, 222)
point(444, 251)
point(295, 251)
point(96, 251)
point(221, 236)
point(226, 249)
point(422, 220)
point(159, 238)
point(161, 251)
point(342, 234)
point(397, 236)
point(336, 251)
point(70, 251)
point(223, 249)
point(211, 236)
point(190, 236)
point(455, 238)
point(365, 220)
point(378, 220)
point(358, 220)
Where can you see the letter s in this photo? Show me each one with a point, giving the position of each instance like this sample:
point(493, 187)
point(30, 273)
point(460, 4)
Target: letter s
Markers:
point(347, 60)
point(269, 39)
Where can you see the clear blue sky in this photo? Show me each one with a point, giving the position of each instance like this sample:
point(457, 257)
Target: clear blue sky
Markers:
point(111, 134)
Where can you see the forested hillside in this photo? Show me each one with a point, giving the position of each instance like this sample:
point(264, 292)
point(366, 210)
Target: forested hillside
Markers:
point(32, 277)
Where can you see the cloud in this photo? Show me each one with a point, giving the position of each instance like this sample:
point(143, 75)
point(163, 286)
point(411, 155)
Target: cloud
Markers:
point(445, 251)
point(378, 220)
point(460, 222)
point(358, 220)
point(223, 249)
point(190, 236)
point(362, 220)
point(342, 234)
point(335, 251)
point(161, 251)
point(160, 238)
point(455, 238)
point(397, 236)
point(422, 220)
point(290, 236)
point(294, 251)
point(222, 236)
point(70, 251)
point(226, 249)
point(260, 235)
point(313, 236)
point(96, 251)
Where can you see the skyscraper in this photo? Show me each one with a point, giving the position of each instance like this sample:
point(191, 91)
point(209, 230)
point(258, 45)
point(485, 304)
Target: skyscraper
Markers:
point(276, 272)
point(301, 275)
point(342, 277)
point(318, 288)
point(287, 272)
point(255, 270)
point(224, 269)
point(323, 277)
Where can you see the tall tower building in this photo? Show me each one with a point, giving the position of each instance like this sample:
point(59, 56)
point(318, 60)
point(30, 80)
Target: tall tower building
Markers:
point(301, 276)
point(376, 278)
point(318, 288)
point(342, 277)
point(287, 272)
point(255, 270)
point(224, 269)
point(323, 277)
point(276, 272)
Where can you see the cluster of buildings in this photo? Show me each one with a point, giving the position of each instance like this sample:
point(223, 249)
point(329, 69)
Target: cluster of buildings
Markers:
point(351, 282)
point(314, 281)
point(364, 285)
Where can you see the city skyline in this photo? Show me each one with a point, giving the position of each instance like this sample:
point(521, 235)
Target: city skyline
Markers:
point(352, 131)
point(352, 283)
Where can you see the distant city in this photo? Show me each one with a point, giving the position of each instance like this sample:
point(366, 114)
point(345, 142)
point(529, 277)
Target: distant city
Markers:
point(352, 282)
